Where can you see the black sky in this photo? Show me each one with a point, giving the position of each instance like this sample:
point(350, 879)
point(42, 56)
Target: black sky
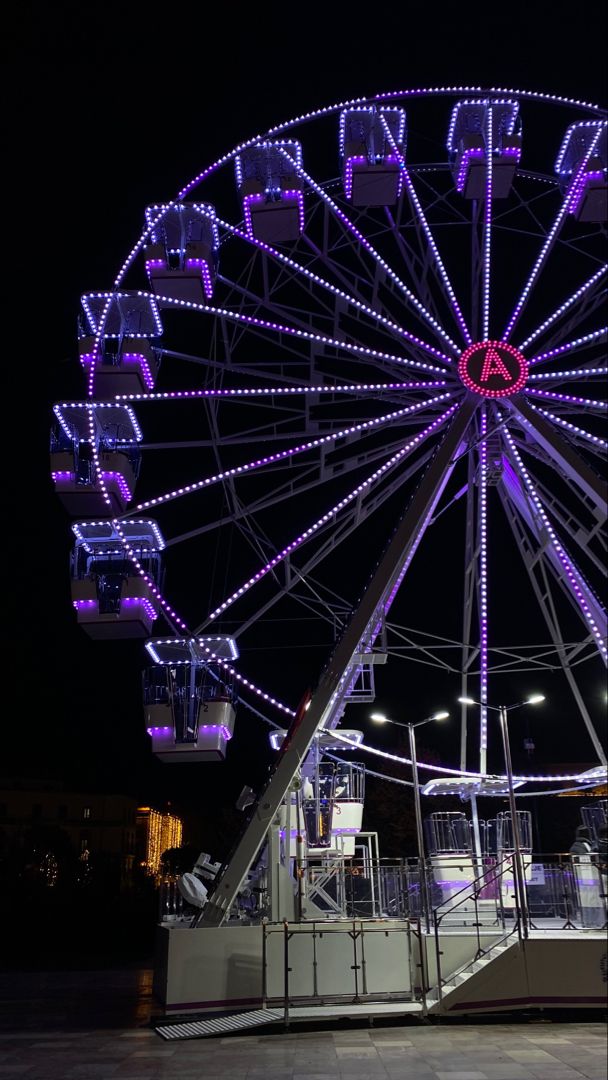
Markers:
point(112, 107)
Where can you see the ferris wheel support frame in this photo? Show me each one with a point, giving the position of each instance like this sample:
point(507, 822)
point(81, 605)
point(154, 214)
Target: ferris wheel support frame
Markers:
point(326, 704)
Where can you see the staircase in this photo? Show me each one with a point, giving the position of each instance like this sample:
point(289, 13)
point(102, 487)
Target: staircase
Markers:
point(440, 1000)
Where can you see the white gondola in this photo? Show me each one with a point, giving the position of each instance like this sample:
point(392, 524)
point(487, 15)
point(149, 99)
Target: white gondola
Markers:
point(95, 458)
point(117, 336)
point(272, 191)
point(189, 698)
point(116, 572)
point(468, 146)
point(582, 164)
point(371, 160)
point(181, 258)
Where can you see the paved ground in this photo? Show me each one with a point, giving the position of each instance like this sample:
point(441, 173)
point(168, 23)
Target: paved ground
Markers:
point(95, 1024)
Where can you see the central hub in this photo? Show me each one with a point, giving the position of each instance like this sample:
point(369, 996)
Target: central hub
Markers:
point(493, 369)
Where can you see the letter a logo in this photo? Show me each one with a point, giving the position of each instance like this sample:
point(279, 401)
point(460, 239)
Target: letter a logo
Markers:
point(493, 365)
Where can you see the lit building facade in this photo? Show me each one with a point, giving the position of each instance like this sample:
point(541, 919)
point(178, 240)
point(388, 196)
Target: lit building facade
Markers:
point(156, 832)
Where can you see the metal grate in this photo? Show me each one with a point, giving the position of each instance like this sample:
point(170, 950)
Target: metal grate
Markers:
point(220, 1025)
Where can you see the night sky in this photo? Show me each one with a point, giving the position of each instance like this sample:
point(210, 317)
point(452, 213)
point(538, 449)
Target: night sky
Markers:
point(108, 113)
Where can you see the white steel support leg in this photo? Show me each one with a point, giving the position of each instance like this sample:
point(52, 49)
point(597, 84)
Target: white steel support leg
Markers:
point(327, 703)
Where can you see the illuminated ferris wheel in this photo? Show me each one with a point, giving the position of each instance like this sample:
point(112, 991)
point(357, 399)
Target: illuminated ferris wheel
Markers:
point(366, 315)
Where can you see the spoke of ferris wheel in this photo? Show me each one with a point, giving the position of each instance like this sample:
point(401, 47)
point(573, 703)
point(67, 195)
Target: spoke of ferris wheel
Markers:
point(487, 241)
point(281, 391)
point(563, 308)
point(600, 444)
point(316, 279)
point(591, 404)
point(415, 201)
point(579, 343)
point(573, 581)
point(359, 511)
point(551, 237)
point(281, 455)
point(482, 580)
point(354, 231)
point(309, 479)
point(302, 335)
point(562, 454)
point(330, 515)
point(576, 373)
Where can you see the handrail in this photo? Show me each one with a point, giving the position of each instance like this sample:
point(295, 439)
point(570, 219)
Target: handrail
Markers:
point(496, 873)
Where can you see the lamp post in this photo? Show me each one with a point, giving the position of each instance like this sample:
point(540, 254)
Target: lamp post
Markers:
point(518, 871)
point(379, 718)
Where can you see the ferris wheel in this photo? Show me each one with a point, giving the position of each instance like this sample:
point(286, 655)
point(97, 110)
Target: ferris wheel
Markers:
point(388, 306)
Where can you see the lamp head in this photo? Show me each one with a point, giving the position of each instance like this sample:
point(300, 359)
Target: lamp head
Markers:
point(535, 699)
point(440, 716)
point(379, 718)
point(467, 701)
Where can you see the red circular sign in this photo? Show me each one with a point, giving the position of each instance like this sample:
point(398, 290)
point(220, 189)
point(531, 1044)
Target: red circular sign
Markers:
point(493, 369)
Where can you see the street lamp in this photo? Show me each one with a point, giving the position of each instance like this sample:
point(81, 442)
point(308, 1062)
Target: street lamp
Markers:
point(380, 718)
point(518, 874)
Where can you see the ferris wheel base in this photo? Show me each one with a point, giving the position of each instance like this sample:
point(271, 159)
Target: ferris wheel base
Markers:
point(232, 969)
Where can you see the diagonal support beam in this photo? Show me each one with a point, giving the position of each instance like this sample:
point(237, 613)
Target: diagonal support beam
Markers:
point(327, 700)
point(594, 486)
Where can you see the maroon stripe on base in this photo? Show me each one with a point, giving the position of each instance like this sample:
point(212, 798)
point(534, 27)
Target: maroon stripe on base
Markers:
point(495, 1002)
point(183, 1006)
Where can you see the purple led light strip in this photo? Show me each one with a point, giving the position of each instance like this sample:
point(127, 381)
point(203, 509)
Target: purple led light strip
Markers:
point(474, 152)
point(563, 307)
point(127, 601)
point(348, 224)
point(580, 373)
point(569, 399)
point(282, 455)
point(304, 335)
point(202, 265)
point(487, 231)
point(318, 280)
point(557, 224)
point(571, 427)
point(576, 581)
point(570, 346)
point(579, 188)
point(366, 748)
point(327, 517)
point(427, 232)
point(285, 391)
point(483, 588)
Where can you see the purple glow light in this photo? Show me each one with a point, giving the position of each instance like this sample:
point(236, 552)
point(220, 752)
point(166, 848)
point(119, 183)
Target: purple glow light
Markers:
point(571, 427)
point(487, 232)
point(569, 399)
